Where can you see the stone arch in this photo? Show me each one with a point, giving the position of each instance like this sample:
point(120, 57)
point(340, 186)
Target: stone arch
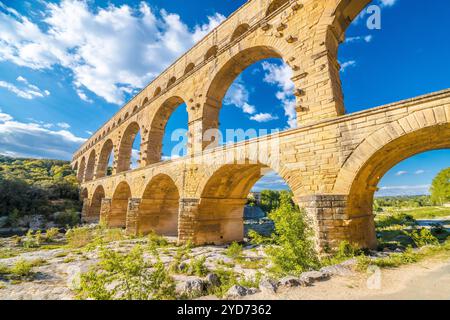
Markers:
point(157, 92)
point(224, 77)
point(126, 147)
point(189, 68)
point(419, 132)
point(212, 52)
point(104, 158)
point(159, 207)
point(119, 206)
point(275, 5)
point(239, 31)
point(96, 204)
point(223, 195)
point(82, 169)
point(90, 167)
point(171, 81)
point(145, 102)
point(157, 129)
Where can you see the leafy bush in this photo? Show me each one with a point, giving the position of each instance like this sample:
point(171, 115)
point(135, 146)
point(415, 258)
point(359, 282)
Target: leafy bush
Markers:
point(51, 234)
point(32, 241)
point(155, 240)
point(197, 267)
point(181, 254)
point(80, 237)
point(294, 251)
point(126, 277)
point(423, 237)
point(234, 250)
point(21, 269)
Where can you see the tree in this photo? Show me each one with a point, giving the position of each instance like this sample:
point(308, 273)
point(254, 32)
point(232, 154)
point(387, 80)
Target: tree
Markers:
point(440, 188)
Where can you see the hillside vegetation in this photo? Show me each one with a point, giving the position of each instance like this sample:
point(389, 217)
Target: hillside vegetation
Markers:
point(30, 187)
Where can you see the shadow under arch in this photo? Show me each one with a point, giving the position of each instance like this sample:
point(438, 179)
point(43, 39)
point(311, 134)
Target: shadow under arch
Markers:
point(119, 206)
point(159, 207)
point(275, 5)
point(362, 172)
point(158, 127)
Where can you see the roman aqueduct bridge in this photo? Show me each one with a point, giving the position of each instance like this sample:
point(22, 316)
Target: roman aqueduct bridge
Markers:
point(332, 162)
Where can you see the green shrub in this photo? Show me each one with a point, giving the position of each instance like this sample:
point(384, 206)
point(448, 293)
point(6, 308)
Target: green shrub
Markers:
point(4, 270)
point(80, 237)
point(155, 240)
point(181, 254)
point(197, 267)
point(227, 279)
point(423, 237)
point(31, 241)
point(294, 251)
point(51, 234)
point(234, 250)
point(126, 277)
point(21, 269)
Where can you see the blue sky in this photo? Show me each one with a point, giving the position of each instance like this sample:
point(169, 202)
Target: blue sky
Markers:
point(67, 66)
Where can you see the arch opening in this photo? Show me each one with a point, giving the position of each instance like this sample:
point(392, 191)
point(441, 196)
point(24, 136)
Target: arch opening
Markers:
point(367, 179)
point(168, 131)
point(212, 52)
point(251, 95)
point(106, 159)
point(158, 211)
point(90, 167)
point(119, 206)
point(239, 31)
point(189, 68)
point(125, 162)
point(275, 5)
point(95, 207)
point(228, 209)
point(82, 169)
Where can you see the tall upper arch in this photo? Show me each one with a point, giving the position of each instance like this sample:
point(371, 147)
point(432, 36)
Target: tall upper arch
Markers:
point(104, 158)
point(126, 147)
point(157, 128)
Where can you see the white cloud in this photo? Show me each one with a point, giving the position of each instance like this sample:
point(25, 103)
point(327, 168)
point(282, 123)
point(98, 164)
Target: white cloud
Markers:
point(110, 51)
point(238, 96)
point(35, 140)
point(418, 172)
point(401, 173)
point(388, 3)
point(26, 91)
point(263, 117)
point(83, 96)
point(63, 125)
point(89, 132)
point(407, 190)
point(280, 75)
point(366, 39)
point(347, 64)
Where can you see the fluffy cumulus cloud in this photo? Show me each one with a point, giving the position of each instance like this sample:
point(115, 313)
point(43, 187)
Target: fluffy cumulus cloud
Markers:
point(238, 96)
point(263, 117)
point(110, 51)
point(24, 89)
point(20, 139)
point(280, 75)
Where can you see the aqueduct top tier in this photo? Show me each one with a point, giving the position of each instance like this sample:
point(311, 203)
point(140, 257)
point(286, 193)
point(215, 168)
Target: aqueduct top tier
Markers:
point(305, 34)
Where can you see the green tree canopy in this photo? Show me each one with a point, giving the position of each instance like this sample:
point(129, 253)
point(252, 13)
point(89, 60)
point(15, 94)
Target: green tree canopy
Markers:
point(440, 187)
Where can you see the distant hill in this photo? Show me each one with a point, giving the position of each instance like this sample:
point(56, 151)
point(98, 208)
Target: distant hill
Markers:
point(36, 187)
